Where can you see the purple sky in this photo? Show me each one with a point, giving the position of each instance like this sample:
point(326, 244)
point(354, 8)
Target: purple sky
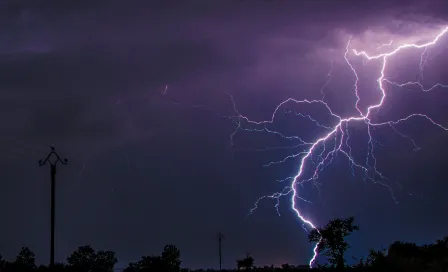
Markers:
point(88, 77)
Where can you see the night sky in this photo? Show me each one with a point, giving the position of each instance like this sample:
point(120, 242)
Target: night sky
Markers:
point(148, 167)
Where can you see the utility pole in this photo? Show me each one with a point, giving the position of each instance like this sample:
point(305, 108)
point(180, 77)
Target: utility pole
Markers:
point(53, 159)
point(220, 237)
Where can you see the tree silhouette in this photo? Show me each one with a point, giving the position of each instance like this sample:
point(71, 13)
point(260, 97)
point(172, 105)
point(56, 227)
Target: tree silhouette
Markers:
point(376, 258)
point(331, 239)
point(86, 259)
point(399, 257)
point(406, 256)
point(105, 261)
point(442, 242)
point(438, 254)
point(25, 260)
point(246, 263)
point(171, 258)
point(58, 267)
point(132, 267)
point(409, 257)
point(150, 263)
point(82, 259)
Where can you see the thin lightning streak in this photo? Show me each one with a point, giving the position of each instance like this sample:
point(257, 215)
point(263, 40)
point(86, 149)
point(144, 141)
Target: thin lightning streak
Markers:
point(384, 45)
point(326, 82)
point(412, 83)
point(313, 120)
point(338, 132)
point(81, 173)
point(423, 62)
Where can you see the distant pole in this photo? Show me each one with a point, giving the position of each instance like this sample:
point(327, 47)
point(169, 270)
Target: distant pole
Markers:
point(53, 159)
point(220, 237)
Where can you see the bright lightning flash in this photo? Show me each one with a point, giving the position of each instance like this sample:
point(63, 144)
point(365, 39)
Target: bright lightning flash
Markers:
point(338, 132)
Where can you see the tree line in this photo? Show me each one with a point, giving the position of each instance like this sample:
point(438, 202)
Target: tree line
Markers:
point(86, 259)
point(331, 239)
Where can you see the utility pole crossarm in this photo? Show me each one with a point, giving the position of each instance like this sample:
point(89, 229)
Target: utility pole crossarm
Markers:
point(53, 195)
point(47, 159)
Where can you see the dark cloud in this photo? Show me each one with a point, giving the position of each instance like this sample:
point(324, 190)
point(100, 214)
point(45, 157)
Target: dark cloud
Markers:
point(89, 78)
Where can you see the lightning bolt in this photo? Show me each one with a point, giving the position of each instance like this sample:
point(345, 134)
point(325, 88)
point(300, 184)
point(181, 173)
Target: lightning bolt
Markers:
point(336, 139)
